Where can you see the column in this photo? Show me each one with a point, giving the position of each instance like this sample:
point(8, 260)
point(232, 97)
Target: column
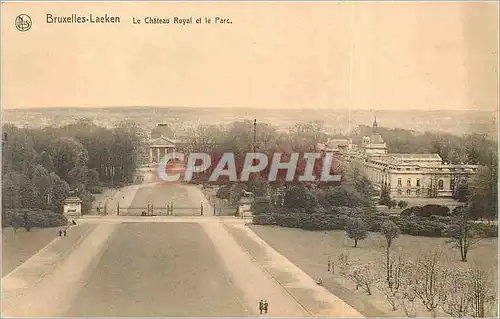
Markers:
point(158, 154)
point(151, 155)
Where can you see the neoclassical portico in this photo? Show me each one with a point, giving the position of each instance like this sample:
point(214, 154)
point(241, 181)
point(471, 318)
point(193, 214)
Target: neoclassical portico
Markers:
point(159, 147)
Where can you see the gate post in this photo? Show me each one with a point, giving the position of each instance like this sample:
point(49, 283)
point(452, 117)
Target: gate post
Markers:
point(201, 208)
point(118, 209)
point(152, 209)
point(171, 208)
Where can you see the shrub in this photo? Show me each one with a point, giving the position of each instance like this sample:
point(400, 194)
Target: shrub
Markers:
point(223, 192)
point(417, 226)
point(95, 189)
point(415, 210)
point(34, 218)
point(402, 204)
point(485, 230)
point(437, 210)
point(261, 205)
point(426, 211)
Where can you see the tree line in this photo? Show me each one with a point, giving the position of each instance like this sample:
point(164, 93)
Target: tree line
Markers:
point(41, 166)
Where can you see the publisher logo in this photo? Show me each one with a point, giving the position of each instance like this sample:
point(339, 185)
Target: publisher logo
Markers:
point(23, 22)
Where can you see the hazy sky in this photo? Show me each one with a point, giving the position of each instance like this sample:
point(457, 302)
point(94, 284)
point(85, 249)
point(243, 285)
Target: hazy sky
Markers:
point(273, 55)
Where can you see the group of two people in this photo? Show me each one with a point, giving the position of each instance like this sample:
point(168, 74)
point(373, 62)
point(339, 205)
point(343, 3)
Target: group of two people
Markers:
point(263, 306)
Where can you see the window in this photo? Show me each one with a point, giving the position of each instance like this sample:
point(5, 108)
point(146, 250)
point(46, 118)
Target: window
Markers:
point(417, 192)
point(399, 192)
point(408, 169)
point(408, 182)
point(418, 182)
point(408, 192)
point(417, 168)
point(440, 184)
point(399, 182)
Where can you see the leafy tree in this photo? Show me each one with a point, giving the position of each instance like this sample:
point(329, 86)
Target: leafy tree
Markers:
point(344, 195)
point(67, 153)
point(461, 233)
point(60, 191)
point(483, 190)
point(301, 198)
point(45, 160)
point(93, 177)
point(356, 229)
point(385, 197)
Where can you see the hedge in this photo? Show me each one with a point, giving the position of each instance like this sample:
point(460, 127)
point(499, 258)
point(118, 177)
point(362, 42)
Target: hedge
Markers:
point(416, 226)
point(426, 211)
point(37, 218)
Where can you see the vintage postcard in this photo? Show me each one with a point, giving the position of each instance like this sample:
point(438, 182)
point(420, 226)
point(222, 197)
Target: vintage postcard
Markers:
point(249, 159)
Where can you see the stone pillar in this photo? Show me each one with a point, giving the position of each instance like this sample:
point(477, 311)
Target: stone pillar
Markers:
point(158, 154)
point(151, 155)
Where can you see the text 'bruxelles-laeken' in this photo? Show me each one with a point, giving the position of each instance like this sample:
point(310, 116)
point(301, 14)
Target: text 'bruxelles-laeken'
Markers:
point(89, 18)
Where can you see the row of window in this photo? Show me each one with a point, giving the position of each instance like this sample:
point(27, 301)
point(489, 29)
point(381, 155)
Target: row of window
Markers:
point(408, 192)
point(408, 183)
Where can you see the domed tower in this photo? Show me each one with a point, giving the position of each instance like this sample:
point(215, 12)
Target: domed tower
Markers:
point(374, 145)
point(375, 125)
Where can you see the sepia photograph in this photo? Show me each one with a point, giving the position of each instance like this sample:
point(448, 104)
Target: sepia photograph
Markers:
point(249, 159)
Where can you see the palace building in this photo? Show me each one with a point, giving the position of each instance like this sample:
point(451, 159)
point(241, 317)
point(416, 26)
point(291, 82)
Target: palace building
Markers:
point(405, 175)
point(163, 141)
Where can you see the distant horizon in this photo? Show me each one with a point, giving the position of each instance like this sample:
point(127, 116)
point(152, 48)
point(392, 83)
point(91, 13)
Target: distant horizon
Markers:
point(241, 108)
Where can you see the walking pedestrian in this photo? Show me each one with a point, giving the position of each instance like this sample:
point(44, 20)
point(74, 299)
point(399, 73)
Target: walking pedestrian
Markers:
point(64, 232)
point(261, 306)
point(266, 306)
point(329, 265)
point(60, 233)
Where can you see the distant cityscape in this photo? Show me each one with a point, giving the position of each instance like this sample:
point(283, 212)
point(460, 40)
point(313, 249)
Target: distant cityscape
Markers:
point(335, 121)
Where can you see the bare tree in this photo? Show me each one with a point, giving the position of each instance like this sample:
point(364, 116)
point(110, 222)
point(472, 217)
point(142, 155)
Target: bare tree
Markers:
point(393, 291)
point(480, 292)
point(363, 276)
point(455, 296)
point(390, 231)
point(428, 281)
point(342, 264)
point(460, 233)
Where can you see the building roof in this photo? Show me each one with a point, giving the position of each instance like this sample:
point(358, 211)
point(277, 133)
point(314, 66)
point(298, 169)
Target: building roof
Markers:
point(163, 141)
point(162, 130)
point(73, 200)
point(414, 156)
point(376, 139)
point(335, 143)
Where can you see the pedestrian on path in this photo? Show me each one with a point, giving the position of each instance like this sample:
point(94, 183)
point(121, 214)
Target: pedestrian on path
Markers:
point(266, 306)
point(261, 306)
point(64, 232)
point(60, 233)
point(329, 265)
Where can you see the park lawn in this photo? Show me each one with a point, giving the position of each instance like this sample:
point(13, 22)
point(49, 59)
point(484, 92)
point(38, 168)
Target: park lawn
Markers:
point(20, 246)
point(310, 251)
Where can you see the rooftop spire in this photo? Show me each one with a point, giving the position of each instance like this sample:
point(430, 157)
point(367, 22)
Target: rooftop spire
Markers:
point(375, 125)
